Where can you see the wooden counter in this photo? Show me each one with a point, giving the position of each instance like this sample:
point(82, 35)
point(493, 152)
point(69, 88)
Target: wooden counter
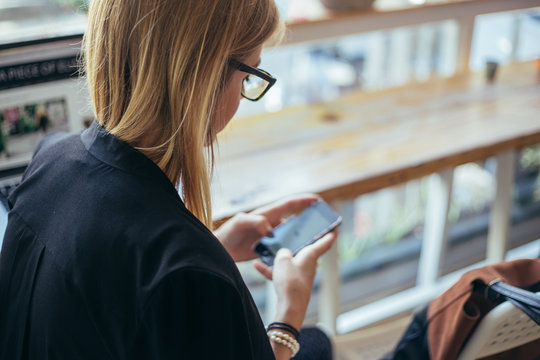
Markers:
point(366, 141)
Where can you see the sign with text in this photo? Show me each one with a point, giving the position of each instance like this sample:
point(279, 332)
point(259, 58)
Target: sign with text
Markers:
point(36, 72)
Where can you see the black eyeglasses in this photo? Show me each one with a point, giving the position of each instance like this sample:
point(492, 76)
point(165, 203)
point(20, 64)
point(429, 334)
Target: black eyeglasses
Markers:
point(256, 84)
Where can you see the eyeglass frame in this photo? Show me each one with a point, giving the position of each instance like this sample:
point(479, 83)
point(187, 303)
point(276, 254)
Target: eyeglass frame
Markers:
point(254, 71)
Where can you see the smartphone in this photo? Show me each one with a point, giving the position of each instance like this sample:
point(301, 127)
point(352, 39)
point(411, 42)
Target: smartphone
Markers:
point(298, 231)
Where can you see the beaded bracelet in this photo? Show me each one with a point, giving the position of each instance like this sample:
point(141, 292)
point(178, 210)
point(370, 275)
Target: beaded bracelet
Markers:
point(284, 326)
point(285, 339)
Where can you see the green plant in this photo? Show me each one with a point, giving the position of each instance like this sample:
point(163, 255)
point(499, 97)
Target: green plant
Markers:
point(81, 5)
point(530, 158)
point(530, 162)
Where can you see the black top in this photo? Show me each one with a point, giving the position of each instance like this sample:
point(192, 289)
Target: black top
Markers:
point(101, 260)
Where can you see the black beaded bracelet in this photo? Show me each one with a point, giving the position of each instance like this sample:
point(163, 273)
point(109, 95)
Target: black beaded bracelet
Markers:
point(284, 326)
point(279, 327)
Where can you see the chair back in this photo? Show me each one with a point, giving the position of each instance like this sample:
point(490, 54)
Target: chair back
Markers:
point(504, 327)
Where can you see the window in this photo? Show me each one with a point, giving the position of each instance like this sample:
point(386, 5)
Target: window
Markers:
point(31, 20)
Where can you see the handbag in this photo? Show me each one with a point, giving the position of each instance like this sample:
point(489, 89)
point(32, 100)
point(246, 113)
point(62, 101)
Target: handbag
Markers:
point(439, 330)
point(526, 301)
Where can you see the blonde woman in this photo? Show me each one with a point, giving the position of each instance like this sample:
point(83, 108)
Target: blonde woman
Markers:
point(102, 259)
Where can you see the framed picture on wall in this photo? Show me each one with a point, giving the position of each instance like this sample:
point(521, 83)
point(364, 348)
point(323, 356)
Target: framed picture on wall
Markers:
point(41, 91)
point(23, 125)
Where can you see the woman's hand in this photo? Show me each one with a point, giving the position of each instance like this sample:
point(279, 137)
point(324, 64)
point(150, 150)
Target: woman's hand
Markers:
point(293, 278)
point(240, 233)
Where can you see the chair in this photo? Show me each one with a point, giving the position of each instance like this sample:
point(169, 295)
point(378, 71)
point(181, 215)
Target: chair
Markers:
point(503, 328)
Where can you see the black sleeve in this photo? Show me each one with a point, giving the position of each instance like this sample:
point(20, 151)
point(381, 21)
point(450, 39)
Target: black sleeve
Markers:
point(47, 140)
point(194, 315)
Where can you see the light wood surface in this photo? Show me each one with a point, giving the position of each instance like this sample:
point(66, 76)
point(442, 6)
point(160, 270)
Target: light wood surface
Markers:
point(373, 342)
point(366, 141)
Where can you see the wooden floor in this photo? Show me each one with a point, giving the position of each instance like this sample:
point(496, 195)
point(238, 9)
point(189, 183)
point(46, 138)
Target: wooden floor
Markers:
point(372, 342)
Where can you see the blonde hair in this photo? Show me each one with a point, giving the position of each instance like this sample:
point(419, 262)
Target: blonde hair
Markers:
point(155, 70)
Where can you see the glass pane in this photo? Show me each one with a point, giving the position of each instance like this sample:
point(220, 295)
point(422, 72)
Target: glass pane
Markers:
point(493, 35)
point(321, 71)
point(23, 20)
point(528, 46)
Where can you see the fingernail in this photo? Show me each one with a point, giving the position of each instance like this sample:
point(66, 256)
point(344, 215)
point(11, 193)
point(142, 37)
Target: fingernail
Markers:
point(284, 252)
point(270, 234)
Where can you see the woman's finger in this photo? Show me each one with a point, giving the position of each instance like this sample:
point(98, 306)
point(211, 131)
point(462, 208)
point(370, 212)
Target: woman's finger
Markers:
point(262, 225)
point(264, 269)
point(319, 247)
point(283, 255)
point(275, 211)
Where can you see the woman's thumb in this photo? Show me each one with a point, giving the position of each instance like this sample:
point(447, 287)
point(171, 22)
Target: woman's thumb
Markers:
point(283, 255)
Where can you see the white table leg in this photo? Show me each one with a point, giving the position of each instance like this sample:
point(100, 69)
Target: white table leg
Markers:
point(499, 223)
point(435, 228)
point(330, 280)
point(329, 290)
point(466, 32)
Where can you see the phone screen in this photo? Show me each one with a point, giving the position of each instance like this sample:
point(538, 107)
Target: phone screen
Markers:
point(299, 231)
